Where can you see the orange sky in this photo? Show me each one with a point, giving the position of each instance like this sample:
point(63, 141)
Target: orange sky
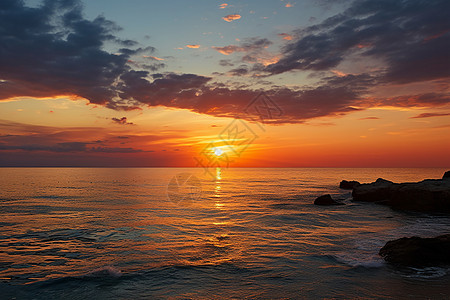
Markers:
point(384, 137)
point(195, 91)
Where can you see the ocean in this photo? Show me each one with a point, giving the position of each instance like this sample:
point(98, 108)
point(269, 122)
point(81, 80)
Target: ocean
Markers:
point(178, 233)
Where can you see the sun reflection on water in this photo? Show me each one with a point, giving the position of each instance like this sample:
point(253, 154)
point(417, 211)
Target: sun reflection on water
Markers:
point(217, 190)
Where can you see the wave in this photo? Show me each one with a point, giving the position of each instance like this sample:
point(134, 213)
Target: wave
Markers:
point(355, 259)
point(106, 271)
point(99, 274)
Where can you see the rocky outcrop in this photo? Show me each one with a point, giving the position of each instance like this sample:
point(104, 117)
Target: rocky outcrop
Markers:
point(377, 191)
point(446, 175)
point(418, 252)
point(326, 200)
point(431, 195)
point(348, 185)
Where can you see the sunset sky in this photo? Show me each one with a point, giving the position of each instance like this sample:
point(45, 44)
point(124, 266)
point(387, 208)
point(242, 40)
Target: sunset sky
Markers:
point(185, 83)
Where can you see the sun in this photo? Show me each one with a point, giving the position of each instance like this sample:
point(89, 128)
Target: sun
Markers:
point(218, 151)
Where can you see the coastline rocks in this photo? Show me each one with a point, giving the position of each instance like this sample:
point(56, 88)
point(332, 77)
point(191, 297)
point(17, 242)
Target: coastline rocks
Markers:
point(378, 191)
point(348, 185)
point(326, 200)
point(430, 195)
point(446, 175)
point(418, 252)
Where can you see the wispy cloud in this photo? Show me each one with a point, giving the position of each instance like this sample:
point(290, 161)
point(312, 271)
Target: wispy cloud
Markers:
point(193, 46)
point(369, 118)
point(248, 45)
point(286, 36)
point(430, 115)
point(223, 5)
point(152, 57)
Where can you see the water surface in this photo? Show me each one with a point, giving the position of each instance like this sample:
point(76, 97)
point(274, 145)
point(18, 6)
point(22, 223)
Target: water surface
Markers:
point(79, 233)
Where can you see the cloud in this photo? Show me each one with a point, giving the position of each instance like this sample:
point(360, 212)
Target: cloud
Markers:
point(286, 36)
point(231, 18)
point(122, 121)
point(138, 51)
point(40, 59)
point(153, 57)
point(59, 147)
point(59, 52)
point(395, 35)
point(152, 67)
point(116, 150)
point(225, 63)
point(248, 45)
point(223, 5)
point(87, 140)
point(68, 147)
point(407, 38)
point(193, 46)
point(417, 100)
point(240, 71)
point(369, 118)
point(430, 115)
point(289, 5)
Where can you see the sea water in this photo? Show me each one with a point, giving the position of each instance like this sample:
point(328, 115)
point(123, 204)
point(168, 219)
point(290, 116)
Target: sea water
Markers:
point(158, 233)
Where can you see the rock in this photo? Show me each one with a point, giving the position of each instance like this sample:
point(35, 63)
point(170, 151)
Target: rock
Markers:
point(348, 185)
point(418, 252)
point(326, 200)
point(377, 191)
point(446, 175)
point(431, 195)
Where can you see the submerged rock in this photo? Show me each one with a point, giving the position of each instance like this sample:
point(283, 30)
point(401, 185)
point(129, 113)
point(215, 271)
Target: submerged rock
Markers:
point(348, 185)
point(326, 200)
point(418, 252)
point(430, 195)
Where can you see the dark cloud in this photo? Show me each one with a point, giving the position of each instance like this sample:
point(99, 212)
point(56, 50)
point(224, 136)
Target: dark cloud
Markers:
point(166, 89)
point(297, 105)
point(116, 150)
point(130, 52)
point(226, 63)
point(69, 147)
point(59, 147)
point(153, 67)
point(53, 50)
point(240, 71)
point(122, 121)
point(411, 38)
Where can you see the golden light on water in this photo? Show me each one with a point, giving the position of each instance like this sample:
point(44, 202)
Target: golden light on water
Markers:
point(217, 190)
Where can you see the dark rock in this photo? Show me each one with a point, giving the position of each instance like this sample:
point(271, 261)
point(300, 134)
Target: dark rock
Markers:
point(418, 252)
point(348, 185)
point(326, 200)
point(446, 175)
point(377, 191)
point(431, 195)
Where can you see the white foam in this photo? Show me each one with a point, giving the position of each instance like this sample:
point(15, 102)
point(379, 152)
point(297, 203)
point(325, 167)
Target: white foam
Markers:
point(429, 272)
